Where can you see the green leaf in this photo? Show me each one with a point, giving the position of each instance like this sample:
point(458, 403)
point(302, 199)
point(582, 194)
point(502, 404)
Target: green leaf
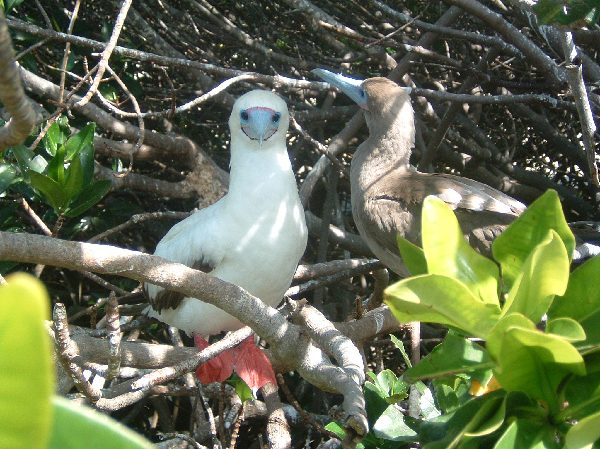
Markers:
point(440, 299)
point(412, 256)
point(513, 246)
point(532, 361)
point(454, 355)
point(10, 4)
point(567, 328)
point(26, 367)
point(53, 138)
point(581, 301)
point(400, 346)
point(8, 174)
point(38, 164)
point(526, 433)
point(544, 274)
point(89, 196)
point(241, 388)
point(86, 156)
point(391, 426)
point(73, 179)
point(449, 254)
point(56, 166)
point(548, 10)
point(50, 190)
point(84, 138)
point(479, 416)
point(23, 156)
point(74, 424)
point(583, 434)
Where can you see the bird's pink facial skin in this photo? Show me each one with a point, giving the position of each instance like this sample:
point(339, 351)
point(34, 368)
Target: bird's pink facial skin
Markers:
point(260, 122)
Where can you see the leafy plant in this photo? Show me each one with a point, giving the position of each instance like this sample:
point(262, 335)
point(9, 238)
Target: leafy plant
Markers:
point(64, 178)
point(32, 418)
point(570, 13)
point(537, 378)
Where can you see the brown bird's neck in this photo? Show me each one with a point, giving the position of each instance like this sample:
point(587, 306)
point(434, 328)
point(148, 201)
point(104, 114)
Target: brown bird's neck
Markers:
point(388, 148)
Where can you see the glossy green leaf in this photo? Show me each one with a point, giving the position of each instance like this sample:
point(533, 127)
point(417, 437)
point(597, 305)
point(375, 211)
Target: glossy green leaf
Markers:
point(8, 174)
point(582, 394)
point(581, 301)
point(440, 299)
point(53, 138)
point(73, 179)
point(527, 434)
point(391, 426)
point(51, 191)
point(412, 256)
point(449, 254)
point(585, 433)
point(479, 416)
point(567, 328)
point(454, 355)
point(56, 166)
point(82, 139)
point(86, 156)
point(89, 196)
point(514, 245)
point(26, 368)
point(74, 424)
point(23, 155)
point(38, 164)
point(535, 362)
point(544, 274)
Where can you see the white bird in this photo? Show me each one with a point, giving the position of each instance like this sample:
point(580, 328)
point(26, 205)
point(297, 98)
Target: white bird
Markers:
point(253, 237)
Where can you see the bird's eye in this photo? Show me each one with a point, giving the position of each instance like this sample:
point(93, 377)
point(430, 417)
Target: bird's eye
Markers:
point(276, 117)
point(244, 115)
point(362, 93)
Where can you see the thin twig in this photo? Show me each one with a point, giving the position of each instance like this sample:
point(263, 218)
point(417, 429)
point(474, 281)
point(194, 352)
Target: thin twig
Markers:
point(110, 46)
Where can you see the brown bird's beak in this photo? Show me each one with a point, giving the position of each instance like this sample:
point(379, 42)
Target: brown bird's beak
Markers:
point(350, 86)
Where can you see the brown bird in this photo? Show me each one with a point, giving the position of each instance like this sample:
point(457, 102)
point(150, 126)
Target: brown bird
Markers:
point(387, 192)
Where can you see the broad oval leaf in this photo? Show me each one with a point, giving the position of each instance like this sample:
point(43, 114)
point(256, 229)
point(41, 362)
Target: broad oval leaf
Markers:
point(56, 166)
point(440, 299)
point(53, 138)
point(454, 355)
point(26, 368)
point(567, 328)
point(544, 274)
point(412, 256)
point(581, 301)
point(449, 254)
point(52, 192)
point(8, 174)
point(73, 179)
point(82, 139)
point(534, 362)
point(512, 247)
point(89, 196)
point(73, 425)
point(585, 433)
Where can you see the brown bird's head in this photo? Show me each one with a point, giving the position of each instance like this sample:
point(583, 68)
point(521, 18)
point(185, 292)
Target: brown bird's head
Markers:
point(382, 100)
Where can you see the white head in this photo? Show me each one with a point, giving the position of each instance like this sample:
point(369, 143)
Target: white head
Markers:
point(259, 120)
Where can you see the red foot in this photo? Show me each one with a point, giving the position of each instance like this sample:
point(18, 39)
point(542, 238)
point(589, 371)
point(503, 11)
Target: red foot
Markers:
point(253, 366)
point(217, 369)
point(248, 361)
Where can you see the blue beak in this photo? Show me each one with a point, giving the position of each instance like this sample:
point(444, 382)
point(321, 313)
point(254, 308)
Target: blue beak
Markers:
point(350, 86)
point(259, 123)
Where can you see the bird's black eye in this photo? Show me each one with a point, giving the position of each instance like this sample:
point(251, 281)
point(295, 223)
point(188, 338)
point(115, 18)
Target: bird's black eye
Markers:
point(276, 117)
point(362, 93)
point(244, 115)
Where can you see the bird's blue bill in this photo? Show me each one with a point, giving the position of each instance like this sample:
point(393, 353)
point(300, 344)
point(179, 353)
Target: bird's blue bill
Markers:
point(350, 86)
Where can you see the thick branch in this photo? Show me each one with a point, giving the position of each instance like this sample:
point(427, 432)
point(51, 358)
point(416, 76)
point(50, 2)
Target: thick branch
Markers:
point(12, 94)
